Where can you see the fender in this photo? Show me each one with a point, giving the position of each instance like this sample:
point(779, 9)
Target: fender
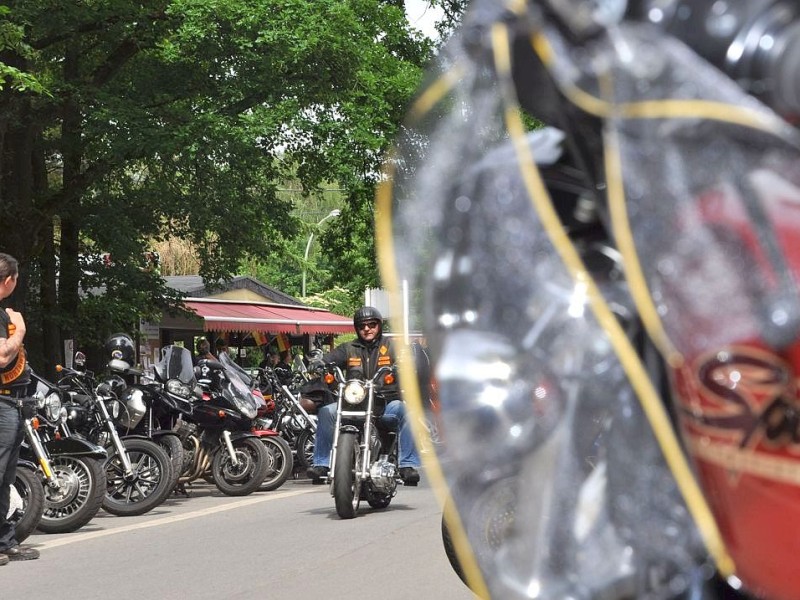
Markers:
point(72, 446)
point(265, 433)
point(349, 429)
point(162, 433)
point(238, 435)
point(26, 464)
point(135, 436)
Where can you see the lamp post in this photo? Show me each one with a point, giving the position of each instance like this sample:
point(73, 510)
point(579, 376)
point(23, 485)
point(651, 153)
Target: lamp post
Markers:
point(334, 213)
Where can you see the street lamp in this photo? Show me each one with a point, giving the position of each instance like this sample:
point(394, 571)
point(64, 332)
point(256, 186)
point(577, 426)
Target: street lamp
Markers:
point(334, 213)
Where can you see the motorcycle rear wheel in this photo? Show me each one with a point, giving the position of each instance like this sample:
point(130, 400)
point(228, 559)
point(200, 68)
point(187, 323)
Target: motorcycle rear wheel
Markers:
point(83, 484)
point(247, 477)
point(149, 486)
point(27, 503)
point(304, 449)
point(346, 492)
point(280, 463)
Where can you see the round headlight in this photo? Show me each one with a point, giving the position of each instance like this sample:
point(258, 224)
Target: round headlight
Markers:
point(113, 407)
point(52, 406)
point(354, 392)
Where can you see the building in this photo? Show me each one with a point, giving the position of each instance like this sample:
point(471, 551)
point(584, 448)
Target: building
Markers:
point(246, 313)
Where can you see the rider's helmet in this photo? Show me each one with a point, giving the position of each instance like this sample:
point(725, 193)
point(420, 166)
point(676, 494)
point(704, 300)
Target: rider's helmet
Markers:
point(366, 314)
point(120, 351)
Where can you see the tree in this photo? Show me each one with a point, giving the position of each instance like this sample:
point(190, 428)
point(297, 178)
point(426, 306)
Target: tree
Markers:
point(179, 118)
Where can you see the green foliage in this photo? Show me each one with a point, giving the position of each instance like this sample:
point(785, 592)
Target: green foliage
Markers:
point(183, 118)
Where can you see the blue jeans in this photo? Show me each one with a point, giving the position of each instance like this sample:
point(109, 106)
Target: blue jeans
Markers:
point(11, 434)
point(393, 417)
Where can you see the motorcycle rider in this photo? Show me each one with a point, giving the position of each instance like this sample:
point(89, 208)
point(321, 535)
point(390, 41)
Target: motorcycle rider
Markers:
point(14, 378)
point(370, 351)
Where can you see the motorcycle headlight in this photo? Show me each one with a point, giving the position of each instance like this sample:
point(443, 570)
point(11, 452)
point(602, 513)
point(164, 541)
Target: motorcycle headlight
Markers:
point(113, 407)
point(248, 409)
point(178, 388)
point(354, 392)
point(52, 406)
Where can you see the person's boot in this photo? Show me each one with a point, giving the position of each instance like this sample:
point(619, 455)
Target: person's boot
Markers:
point(409, 475)
point(21, 553)
point(317, 474)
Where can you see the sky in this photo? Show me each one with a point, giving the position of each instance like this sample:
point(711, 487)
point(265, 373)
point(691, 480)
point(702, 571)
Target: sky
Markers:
point(422, 16)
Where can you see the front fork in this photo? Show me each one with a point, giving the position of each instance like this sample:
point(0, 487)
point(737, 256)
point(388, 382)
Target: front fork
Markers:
point(116, 441)
point(362, 472)
point(40, 453)
point(226, 438)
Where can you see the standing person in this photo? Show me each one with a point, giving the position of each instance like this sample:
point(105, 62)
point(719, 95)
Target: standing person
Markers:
point(283, 370)
point(14, 379)
point(221, 346)
point(366, 354)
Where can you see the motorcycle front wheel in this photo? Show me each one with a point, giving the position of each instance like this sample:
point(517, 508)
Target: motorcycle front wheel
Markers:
point(280, 462)
point(346, 492)
point(78, 497)
point(148, 485)
point(27, 503)
point(247, 476)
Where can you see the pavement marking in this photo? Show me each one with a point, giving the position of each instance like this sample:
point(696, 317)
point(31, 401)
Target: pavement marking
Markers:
point(167, 520)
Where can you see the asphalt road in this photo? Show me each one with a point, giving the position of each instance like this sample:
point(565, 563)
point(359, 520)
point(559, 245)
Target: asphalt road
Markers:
point(284, 544)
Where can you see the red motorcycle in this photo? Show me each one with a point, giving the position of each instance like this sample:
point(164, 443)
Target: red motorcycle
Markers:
point(612, 306)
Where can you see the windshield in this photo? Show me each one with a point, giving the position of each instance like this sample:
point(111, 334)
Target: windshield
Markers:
point(175, 363)
point(239, 380)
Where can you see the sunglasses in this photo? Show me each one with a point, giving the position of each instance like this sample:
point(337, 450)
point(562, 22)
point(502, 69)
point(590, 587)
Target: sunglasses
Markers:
point(368, 325)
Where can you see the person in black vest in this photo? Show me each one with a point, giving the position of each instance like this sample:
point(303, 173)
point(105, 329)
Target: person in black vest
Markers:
point(366, 354)
point(14, 380)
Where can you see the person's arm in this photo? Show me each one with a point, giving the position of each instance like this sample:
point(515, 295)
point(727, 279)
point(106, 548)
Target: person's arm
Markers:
point(337, 356)
point(10, 346)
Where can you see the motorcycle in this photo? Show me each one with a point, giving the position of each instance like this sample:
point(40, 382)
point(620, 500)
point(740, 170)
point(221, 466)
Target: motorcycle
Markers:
point(364, 455)
point(26, 503)
point(138, 471)
point(281, 460)
point(145, 406)
point(72, 468)
point(213, 417)
point(658, 157)
point(290, 419)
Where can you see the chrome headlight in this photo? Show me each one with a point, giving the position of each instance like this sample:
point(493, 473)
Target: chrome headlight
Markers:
point(113, 406)
point(175, 386)
point(52, 406)
point(354, 392)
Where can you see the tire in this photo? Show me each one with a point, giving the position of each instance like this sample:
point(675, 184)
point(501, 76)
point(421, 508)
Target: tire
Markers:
point(248, 476)
point(174, 448)
point(304, 449)
point(27, 503)
point(280, 462)
point(79, 497)
point(149, 486)
point(346, 494)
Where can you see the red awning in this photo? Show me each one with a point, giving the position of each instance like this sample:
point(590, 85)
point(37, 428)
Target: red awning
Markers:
point(237, 315)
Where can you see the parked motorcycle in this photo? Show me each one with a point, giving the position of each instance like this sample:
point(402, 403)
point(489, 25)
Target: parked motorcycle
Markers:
point(290, 419)
point(213, 417)
point(138, 471)
point(26, 501)
point(281, 461)
point(364, 456)
point(71, 468)
point(145, 410)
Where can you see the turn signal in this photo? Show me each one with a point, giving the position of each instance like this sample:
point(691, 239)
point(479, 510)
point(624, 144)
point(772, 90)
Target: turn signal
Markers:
point(35, 422)
point(221, 414)
point(59, 368)
point(389, 379)
point(329, 378)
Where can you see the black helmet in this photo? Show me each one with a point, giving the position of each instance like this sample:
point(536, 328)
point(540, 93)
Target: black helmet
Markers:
point(366, 313)
point(121, 352)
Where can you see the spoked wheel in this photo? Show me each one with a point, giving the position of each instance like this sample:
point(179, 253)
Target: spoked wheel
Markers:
point(144, 489)
point(245, 477)
point(26, 503)
point(346, 487)
point(77, 499)
point(304, 449)
point(280, 462)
